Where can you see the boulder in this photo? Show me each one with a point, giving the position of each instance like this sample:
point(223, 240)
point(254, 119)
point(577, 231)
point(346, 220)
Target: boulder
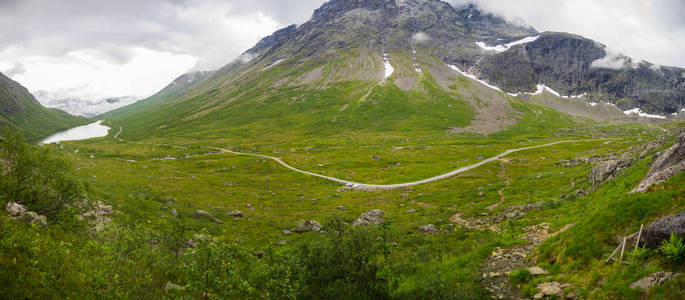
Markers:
point(652, 280)
point(552, 288)
point(535, 271)
point(372, 217)
point(236, 213)
point(668, 164)
point(32, 218)
point(205, 215)
point(603, 171)
point(15, 209)
point(661, 229)
point(308, 225)
point(429, 228)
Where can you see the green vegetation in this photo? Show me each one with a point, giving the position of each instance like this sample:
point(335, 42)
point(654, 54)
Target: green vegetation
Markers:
point(673, 249)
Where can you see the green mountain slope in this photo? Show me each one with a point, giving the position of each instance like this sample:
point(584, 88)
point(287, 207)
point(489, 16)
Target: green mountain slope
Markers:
point(19, 110)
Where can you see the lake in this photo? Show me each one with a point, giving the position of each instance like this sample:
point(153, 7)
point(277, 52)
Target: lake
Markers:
point(89, 131)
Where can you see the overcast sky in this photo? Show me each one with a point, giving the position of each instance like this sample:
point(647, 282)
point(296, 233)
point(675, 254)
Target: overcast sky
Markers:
point(93, 49)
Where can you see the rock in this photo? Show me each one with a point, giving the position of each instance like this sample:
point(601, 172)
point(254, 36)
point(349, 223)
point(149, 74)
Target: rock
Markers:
point(603, 171)
point(342, 208)
point(376, 157)
point(32, 218)
point(550, 288)
point(248, 205)
point(282, 242)
point(411, 211)
point(429, 228)
point(661, 229)
point(480, 157)
point(668, 164)
point(372, 217)
point(174, 212)
point(15, 209)
point(286, 232)
point(100, 213)
point(393, 244)
point(172, 286)
point(236, 213)
point(203, 214)
point(537, 271)
point(309, 225)
point(652, 280)
point(259, 254)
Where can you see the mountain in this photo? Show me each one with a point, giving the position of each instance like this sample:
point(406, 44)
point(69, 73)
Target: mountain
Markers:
point(21, 111)
point(356, 59)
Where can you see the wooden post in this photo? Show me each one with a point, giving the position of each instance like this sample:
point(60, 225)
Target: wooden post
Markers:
point(612, 254)
point(623, 249)
point(638, 236)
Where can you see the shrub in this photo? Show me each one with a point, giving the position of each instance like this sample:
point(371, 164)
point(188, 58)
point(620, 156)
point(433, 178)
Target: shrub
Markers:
point(520, 275)
point(35, 178)
point(673, 248)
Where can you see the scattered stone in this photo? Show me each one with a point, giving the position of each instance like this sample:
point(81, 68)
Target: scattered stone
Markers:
point(552, 288)
point(342, 208)
point(481, 194)
point(32, 218)
point(308, 225)
point(653, 280)
point(393, 244)
point(480, 157)
point(15, 209)
point(172, 286)
point(429, 228)
point(372, 217)
point(535, 271)
point(259, 254)
point(203, 214)
point(286, 232)
point(236, 213)
point(662, 228)
point(282, 242)
point(174, 212)
point(100, 213)
point(376, 157)
point(411, 211)
point(248, 205)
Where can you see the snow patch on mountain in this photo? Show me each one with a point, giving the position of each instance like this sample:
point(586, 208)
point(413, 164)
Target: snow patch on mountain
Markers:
point(505, 47)
point(453, 67)
point(638, 111)
point(273, 64)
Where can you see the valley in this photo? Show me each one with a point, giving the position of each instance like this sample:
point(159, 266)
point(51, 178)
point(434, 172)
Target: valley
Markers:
point(383, 149)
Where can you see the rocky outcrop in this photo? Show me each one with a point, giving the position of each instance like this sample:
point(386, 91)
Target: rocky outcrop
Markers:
point(653, 280)
point(549, 289)
point(662, 228)
point(20, 212)
point(668, 164)
point(307, 225)
point(603, 171)
point(372, 217)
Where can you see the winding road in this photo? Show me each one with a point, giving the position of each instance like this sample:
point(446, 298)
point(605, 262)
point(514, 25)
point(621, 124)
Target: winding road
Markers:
point(365, 186)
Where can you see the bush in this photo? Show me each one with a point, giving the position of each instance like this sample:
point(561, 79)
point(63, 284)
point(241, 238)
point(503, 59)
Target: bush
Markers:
point(520, 276)
point(35, 178)
point(673, 248)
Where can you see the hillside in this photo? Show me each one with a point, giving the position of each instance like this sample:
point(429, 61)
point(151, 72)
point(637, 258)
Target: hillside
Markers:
point(19, 110)
point(384, 149)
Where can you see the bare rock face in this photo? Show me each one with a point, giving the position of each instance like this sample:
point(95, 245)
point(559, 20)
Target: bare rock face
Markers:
point(662, 228)
point(372, 217)
point(308, 225)
point(668, 164)
point(603, 171)
point(652, 280)
point(15, 209)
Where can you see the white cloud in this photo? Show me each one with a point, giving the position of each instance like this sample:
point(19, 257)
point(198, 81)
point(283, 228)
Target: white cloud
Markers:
point(16, 69)
point(611, 60)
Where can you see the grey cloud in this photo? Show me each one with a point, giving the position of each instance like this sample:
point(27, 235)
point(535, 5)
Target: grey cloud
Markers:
point(16, 69)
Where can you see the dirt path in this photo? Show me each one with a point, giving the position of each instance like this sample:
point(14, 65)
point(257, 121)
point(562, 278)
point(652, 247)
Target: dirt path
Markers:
point(365, 186)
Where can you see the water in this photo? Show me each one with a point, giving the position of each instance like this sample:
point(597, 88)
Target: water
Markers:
point(89, 131)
